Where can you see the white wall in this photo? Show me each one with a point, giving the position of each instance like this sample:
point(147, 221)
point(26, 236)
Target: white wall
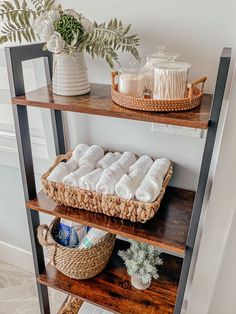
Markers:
point(198, 31)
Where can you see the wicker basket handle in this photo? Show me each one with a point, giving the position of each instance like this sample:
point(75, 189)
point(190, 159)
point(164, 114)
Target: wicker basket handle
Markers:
point(114, 75)
point(192, 84)
point(42, 233)
point(58, 159)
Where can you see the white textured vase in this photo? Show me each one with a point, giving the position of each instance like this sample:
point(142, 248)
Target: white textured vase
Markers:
point(70, 77)
point(137, 283)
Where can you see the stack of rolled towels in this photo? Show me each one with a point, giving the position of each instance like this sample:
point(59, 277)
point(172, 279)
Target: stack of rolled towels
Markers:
point(89, 168)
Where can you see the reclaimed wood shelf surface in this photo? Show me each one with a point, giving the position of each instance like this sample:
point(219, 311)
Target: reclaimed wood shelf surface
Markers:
point(112, 290)
point(99, 102)
point(167, 230)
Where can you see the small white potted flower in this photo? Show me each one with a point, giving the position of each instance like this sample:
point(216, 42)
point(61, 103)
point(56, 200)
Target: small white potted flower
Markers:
point(67, 34)
point(141, 261)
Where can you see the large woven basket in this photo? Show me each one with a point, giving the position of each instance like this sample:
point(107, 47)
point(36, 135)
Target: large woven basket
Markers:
point(72, 262)
point(192, 99)
point(110, 205)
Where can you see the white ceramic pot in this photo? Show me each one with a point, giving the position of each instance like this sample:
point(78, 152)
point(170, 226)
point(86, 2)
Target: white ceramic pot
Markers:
point(137, 283)
point(70, 77)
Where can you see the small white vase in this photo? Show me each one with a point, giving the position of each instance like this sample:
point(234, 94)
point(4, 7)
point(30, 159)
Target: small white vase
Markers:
point(137, 283)
point(70, 77)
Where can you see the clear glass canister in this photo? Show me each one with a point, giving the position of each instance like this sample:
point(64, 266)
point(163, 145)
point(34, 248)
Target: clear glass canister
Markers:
point(170, 79)
point(151, 60)
point(132, 81)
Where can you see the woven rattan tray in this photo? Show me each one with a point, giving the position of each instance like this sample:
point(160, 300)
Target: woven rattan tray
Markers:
point(74, 262)
point(110, 205)
point(192, 100)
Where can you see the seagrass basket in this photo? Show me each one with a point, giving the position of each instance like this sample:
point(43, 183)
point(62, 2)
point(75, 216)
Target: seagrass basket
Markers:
point(192, 98)
point(110, 205)
point(74, 262)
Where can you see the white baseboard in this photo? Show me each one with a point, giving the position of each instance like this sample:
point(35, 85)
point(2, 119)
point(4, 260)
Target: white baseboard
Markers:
point(16, 256)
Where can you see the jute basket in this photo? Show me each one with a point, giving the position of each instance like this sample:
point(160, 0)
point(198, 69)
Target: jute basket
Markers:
point(191, 101)
point(72, 262)
point(110, 205)
point(71, 306)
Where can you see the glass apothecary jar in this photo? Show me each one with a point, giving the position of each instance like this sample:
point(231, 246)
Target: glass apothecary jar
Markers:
point(151, 60)
point(170, 79)
point(131, 81)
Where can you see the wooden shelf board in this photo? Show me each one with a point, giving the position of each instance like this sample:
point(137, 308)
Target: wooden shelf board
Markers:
point(168, 229)
point(112, 290)
point(99, 102)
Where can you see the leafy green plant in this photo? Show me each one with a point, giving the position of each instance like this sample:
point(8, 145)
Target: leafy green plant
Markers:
point(64, 30)
point(141, 260)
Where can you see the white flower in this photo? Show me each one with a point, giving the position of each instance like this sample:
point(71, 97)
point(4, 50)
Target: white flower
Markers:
point(87, 24)
point(42, 27)
point(55, 43)
point(53, 16)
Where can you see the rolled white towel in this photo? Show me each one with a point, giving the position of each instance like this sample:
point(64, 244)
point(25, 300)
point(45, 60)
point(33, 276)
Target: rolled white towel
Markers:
point(58, 173)
point(79, 151)
point(128, 184)
point(92, 155)
point(71, 165)
point(73, 177)
point(108, 160)
point(110, 176)
point(142, 164)
point(150, 187)
point(89, 181)
point(159, 168)
point(126, 160)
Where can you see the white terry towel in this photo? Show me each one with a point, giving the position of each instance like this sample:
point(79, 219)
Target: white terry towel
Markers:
point(71, 165)
point(79, 151)
point(108, 160)
point(126, 160)
point(128, 184)
point(89, 181)
point(112, 175)
point(58, 173)
point(73, 177)
point(92, 155)
point(151, 185)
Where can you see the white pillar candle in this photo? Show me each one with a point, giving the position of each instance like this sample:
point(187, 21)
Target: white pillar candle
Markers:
point(132, 84)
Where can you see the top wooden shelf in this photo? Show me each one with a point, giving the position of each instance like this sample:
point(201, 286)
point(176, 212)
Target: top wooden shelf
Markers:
point(99, 102)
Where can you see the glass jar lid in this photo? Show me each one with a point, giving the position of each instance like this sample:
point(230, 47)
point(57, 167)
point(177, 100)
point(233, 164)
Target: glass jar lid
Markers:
point(171, 64)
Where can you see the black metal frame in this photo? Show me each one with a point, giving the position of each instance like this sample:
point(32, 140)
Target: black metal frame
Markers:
point(204, 172)
point(15, 56)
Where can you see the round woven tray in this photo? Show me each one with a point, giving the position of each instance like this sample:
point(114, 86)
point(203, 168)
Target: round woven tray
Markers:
point(192, 100)
point(76, 263)
point(110, 205)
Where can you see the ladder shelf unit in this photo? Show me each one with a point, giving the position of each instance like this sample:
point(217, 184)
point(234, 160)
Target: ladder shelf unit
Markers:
point(174, 227)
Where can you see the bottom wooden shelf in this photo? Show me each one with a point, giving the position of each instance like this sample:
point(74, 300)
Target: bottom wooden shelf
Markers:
point(112, 289)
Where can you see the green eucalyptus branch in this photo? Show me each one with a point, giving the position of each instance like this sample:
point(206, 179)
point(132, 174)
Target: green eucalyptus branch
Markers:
point(78, 33)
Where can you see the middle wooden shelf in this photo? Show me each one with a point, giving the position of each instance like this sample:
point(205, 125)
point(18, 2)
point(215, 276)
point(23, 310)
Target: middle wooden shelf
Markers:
point(168, 229)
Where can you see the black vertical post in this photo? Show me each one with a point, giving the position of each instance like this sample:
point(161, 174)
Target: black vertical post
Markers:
point(14, 58)
point(58, 131)
point(204, 172)
point(56, 115)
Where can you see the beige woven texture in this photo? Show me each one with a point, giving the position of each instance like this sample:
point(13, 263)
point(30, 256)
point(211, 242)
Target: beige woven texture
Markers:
point(72, 306)
point(110, 205)
point(192, 100)
point(72, 262)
